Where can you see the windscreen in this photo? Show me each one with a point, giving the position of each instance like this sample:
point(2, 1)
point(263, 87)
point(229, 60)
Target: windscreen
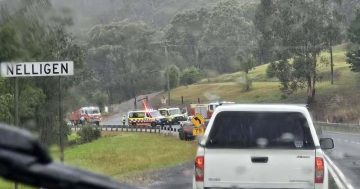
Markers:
point(163, 112)
point(174, 111)
point(155, 114)
point(93, 111)
point(136, 114)
point(283, 130)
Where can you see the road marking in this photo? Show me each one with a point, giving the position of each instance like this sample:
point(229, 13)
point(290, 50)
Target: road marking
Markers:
point(356, 134)
point(339, 177)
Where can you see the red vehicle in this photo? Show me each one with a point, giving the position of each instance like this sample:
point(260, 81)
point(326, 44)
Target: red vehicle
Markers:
point(194, 109)
point(84, 115)
point(212, 106)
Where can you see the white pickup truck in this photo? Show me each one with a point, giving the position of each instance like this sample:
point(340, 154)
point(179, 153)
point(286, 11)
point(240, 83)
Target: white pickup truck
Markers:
point(261, 146)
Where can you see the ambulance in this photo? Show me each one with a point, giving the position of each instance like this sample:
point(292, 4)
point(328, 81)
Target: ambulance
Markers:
point(149, 118)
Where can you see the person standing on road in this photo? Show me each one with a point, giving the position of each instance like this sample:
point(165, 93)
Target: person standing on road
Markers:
point(123, 120)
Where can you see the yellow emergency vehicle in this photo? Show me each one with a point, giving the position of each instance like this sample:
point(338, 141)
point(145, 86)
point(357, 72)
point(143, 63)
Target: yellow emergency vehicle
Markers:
point(145, 118)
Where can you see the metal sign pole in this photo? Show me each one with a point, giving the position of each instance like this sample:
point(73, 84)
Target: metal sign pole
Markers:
point(16, 111)
point(61, 124)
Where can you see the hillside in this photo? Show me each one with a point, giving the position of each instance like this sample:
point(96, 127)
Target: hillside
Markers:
point(338, 102)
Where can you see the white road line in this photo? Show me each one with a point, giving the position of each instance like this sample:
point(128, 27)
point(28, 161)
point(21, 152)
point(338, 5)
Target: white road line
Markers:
point(344, 184)
point(343, 133)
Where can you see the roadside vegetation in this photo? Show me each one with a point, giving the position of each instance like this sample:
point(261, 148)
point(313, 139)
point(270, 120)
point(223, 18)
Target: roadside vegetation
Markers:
point(123, 155)
point(334, 103)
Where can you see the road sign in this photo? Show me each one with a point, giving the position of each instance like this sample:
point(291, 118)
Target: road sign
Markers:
point(35, 69)
point(198, 131)
point(198, 120)
point(32, 69)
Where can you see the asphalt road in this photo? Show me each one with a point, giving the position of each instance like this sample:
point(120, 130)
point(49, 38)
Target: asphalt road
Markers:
point(123, 108)
point(346, 155)
point(178, 177)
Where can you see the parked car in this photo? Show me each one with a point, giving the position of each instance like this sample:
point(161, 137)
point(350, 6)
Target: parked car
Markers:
point(185, 130)
point(261, 146)
point(173, 115)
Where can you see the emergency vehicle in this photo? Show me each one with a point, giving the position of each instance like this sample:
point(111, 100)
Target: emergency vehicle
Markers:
point(212, 106)
point(173, 115)
point(84, 115)
point(201, 109)
point(145, 118)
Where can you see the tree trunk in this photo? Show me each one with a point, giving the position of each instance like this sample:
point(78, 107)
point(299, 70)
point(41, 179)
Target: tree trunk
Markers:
point(331, 65)
point(312, 82)
point(197, 57)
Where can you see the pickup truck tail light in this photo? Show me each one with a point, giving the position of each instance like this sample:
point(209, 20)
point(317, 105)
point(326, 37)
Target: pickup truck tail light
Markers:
point(199, 168)
point(319, 170)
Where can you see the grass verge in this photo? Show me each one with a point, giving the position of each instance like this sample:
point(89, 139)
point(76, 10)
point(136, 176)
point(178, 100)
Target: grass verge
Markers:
point(119, 155)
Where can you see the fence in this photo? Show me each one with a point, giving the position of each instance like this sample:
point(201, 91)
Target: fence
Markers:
point(339, 127)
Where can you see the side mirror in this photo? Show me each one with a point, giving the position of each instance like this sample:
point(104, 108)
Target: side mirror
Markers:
point(326, 143)
point(201, 141)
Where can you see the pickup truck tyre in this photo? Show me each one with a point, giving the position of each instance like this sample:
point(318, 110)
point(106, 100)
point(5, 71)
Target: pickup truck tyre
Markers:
point(181, 135)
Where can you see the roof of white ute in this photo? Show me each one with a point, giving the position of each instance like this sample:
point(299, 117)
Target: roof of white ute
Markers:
point(263, 107)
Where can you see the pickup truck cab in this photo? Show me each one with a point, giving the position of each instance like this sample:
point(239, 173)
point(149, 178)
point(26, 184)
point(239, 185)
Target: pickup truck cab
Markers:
point(261, 146)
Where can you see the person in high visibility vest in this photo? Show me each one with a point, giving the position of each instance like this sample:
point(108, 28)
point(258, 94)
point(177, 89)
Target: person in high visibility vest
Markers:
point(123, 120)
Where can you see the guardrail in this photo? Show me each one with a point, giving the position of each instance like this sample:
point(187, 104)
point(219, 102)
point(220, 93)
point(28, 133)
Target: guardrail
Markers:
point(340, 127)
point(122, 128)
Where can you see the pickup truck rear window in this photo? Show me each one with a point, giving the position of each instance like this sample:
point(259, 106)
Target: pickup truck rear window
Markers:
point(281, 130)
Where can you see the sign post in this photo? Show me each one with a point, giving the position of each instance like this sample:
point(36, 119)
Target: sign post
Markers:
point(37, 69)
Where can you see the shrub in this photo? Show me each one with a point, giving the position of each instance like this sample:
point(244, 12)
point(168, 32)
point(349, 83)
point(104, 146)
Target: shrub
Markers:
point(88, 134)
point(174, 76)
point(190, 76)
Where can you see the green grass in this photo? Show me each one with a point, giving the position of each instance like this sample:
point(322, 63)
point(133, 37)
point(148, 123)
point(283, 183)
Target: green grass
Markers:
point(121, 155)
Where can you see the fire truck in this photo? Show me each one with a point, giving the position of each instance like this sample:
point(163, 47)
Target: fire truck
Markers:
point(84, 115)
point(206, 110)
point(212, 106)
point(201, 109)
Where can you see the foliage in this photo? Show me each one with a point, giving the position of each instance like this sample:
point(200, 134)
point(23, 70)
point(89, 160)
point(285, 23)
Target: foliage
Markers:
point(211, 38)
point(123, 60)
point(100, 98)
point(34, 31)
point(299, 28)
point(190, 75)
point(263, 22)
point(88, 134)
point(353, 51)
point(174, 76)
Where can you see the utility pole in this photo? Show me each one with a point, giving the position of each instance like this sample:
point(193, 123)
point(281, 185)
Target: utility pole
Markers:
point(331, 63)
point(168, 73)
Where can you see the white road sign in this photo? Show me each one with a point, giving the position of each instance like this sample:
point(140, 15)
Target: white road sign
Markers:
point(32, 69)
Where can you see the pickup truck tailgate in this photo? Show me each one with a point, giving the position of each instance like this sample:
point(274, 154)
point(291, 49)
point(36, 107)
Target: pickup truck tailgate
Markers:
point(259, 168)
